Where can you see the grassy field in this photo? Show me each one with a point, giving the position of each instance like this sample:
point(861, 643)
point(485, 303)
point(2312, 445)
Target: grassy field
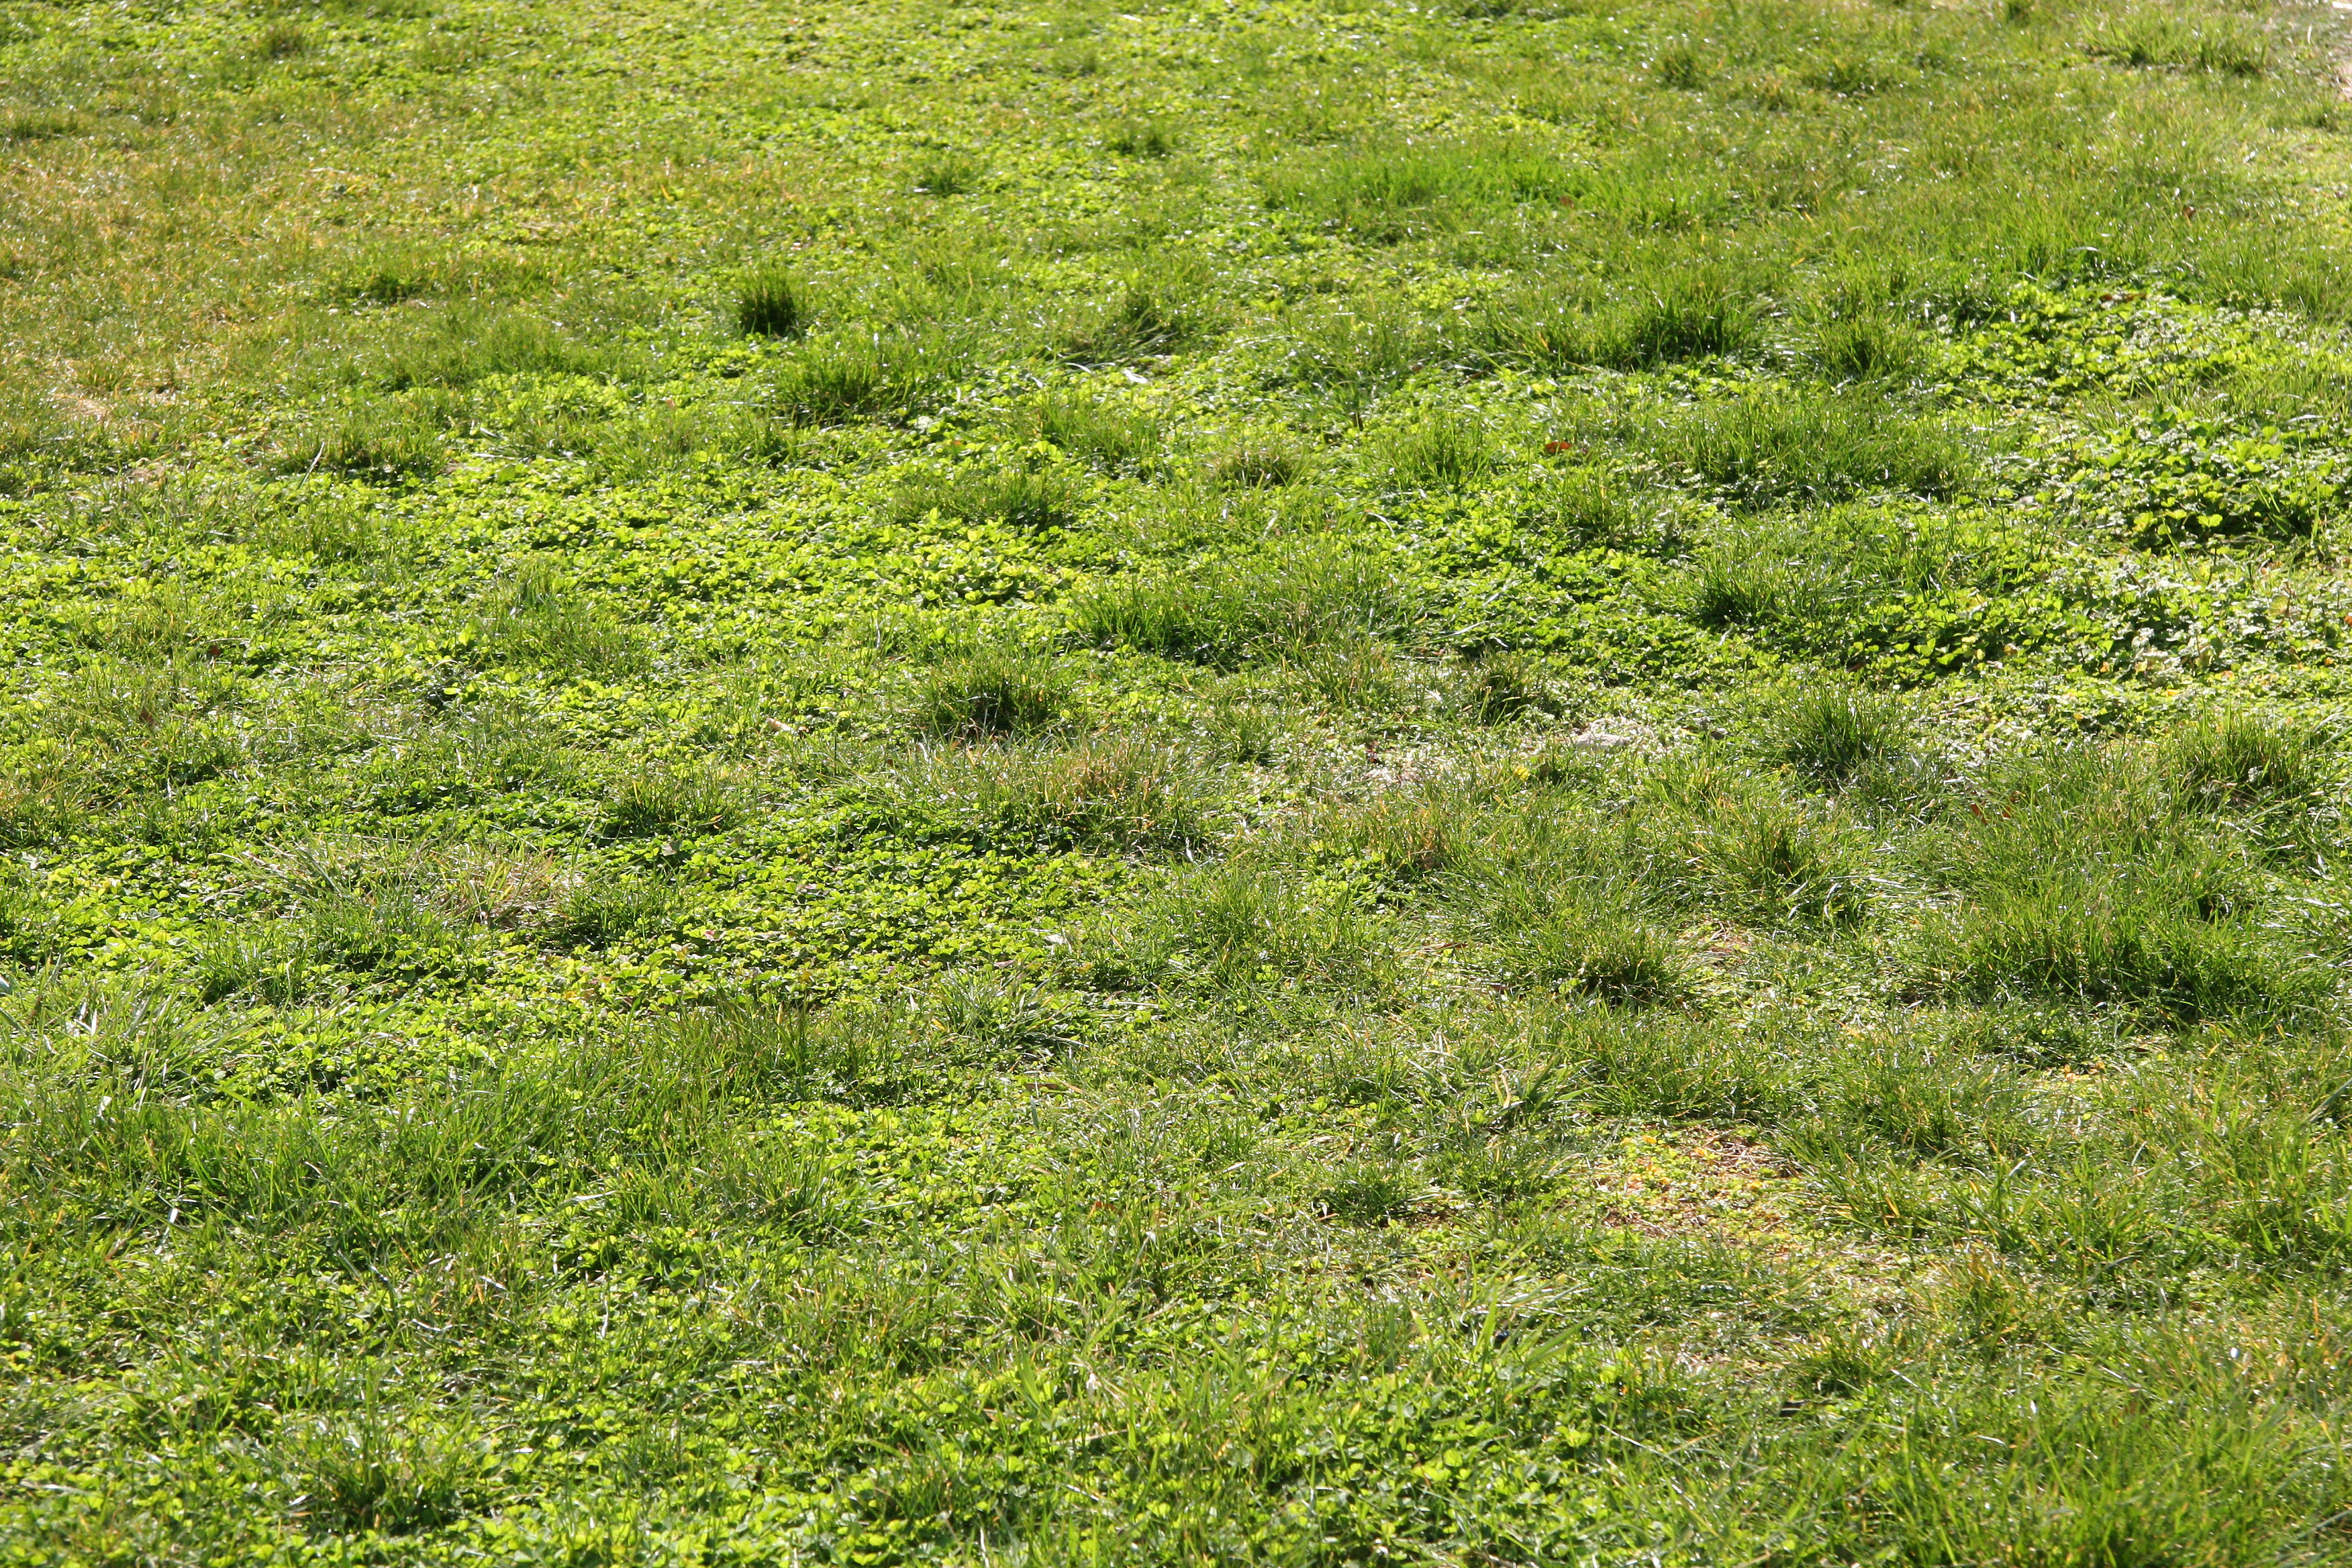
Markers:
point(1519, 782)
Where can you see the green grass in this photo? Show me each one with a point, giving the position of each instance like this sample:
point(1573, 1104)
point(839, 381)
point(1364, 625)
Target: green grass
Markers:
point(1497, 783)
point(766, 305)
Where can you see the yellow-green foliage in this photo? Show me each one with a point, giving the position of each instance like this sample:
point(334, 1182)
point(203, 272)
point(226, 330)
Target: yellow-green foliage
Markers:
point(1479, 782)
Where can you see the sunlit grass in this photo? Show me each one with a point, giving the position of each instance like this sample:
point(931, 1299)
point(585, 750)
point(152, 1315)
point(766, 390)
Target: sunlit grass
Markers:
point(1508, 783)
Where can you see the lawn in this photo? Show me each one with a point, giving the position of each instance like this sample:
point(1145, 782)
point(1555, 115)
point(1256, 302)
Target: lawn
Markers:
point(1506, 781)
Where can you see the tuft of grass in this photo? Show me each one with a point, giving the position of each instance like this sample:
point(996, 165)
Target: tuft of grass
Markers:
point(1351, 356)
point(1774, 91)
point(1387, 196)
point(1297, 601)
point(946, 174)
point(1833, 732)
point(1585, 948)
point(281, 40)
point(1866, 348)
point(398, 272)
point(1035, 498)
point(1409, 835)
point(1353, 673)
point(2097, 937)
point(377, 1471)
point(1679, 65)
point(603, 909)
point(1077, 61)
point(1438, 451)
point(155, 621)
point(385, 930)
point(166, 721)
point(332, 531)
point(1113, 792)
point(1370, 1192)
point(1561, 902)
point(388, 279)
point(675, 800)
point(895, 373)
point(42, 800)
point(41, 125)
point(1922, 1103)
point(2093, 879)
point(1147, 315)
point(2224, 45)
point(1667, 310)
point(1095, 432)
point(1701, 314)
point(2236, 760)
point(2034, 1035)
point(491, 750)
point(768, 304)
point(999, 1021)
point(535, 617)
point(29, 927)
point(1847, 73)
point(992, 692)
point(1783, 864)
point(1737, 588)
point(383, 439)
point(1242, 926)
point(348, 935)
point(470, 340)
point(1245, 733)
point(1591, 506)
point(1256, 465)
point(230, 964)
point(1141, 139)
point(1773, 447)
point(1502, 686)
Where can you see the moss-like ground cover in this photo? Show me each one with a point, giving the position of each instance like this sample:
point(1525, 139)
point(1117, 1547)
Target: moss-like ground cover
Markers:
point(1514, 782)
